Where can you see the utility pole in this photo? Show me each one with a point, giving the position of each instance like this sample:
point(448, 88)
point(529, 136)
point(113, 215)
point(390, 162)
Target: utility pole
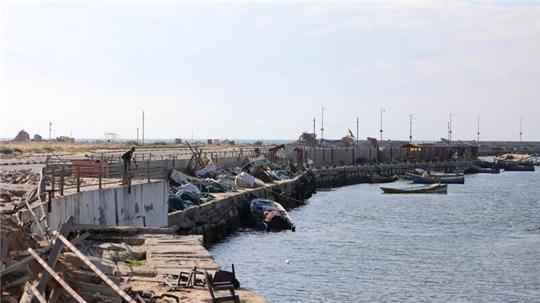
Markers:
point(191, 135)
point(143, 127)
point(521, 118)
point(357, 132)
point(50, 130)
point(137, 135)
point(381, 130)
point(450, 127)
point(478, 130)
point(411, 117)
point(314, 126)
point(322, 123)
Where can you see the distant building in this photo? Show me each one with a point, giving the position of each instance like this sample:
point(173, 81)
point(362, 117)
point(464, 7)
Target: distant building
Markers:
point(308, 139)
point(439, 151)
point(22, 136)
point(65, 139)
point(37, 138)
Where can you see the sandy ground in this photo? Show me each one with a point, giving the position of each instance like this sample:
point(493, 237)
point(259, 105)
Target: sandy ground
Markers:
point(196, 294)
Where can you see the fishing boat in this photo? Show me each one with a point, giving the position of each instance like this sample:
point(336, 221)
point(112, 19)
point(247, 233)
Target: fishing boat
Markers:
point(431, 179)
point(481, 170)
point(518, 167)
point(380, 179)
point(270, 215)
point(436, 188)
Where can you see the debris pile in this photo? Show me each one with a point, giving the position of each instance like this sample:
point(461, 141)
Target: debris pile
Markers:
point(188, 191)
point(19, 177)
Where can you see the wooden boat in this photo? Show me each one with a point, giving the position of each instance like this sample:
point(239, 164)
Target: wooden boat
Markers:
point(481, 170)
point(431, 179)
point(270, 215)
point(380, 179)
point(426, 189)
point(518, 167)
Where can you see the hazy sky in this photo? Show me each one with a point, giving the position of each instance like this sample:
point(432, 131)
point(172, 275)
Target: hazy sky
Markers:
point(264, 70)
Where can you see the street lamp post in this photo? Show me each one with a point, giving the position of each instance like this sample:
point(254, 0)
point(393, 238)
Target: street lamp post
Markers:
point(521, 118)
point(411, 118)
point(478, 130)
point(381, 130)
point(322, 123)
point(450, 127)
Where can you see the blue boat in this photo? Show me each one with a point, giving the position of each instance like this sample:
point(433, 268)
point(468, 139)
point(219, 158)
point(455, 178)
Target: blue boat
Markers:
point(432, 179)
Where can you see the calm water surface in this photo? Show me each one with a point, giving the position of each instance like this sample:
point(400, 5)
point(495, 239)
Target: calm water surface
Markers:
point(479, 243)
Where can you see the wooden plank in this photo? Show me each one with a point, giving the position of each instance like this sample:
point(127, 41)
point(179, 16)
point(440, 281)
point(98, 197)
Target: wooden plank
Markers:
point(17, 282)
point(51, 272)
point(65, 229)
point(26, 260)
point(36, 293)
point(98, 272)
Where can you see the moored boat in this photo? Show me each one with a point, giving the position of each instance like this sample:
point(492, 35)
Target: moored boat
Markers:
point(270, 215)
point(426, 189)
point(381, 179)
point(431, 179)
point(518, 167)
point(481, 170)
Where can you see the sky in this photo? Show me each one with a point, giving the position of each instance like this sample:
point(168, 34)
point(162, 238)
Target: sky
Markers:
point(264, 70)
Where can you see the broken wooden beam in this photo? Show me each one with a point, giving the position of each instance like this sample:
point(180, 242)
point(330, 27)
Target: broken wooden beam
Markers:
point(98, 272)
point(58, 279)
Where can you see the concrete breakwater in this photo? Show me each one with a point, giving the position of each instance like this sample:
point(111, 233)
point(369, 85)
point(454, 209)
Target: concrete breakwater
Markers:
point(229, 211)
point(349, 175)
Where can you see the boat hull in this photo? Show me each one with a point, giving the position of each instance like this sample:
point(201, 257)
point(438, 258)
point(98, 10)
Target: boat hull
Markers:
point(429, 189)
point(270, 215)
point(519, 168)
point(437, 179)
point(481, 170)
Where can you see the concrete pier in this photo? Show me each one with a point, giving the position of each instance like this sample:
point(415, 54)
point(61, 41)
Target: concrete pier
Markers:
point(353, 174)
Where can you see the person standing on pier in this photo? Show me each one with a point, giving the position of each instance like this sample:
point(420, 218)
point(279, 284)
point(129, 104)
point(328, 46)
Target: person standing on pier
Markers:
point(126, 157)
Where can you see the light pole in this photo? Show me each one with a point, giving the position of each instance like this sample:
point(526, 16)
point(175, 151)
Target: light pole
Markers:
point(381, 130)
point(322, 122)
point(478, 130)
point(521, 118)
point(50, 130)
point(411, 117)
point(450, 127)
point(357, 132)
point(143, 127)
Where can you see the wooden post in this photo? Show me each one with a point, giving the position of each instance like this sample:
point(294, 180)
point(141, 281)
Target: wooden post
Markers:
point(52, 182)
point(148, 170)
point(99, 173)
point(62, 181)
point(78, 179)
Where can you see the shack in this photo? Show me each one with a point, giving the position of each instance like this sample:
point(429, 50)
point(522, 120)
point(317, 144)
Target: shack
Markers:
point(438, 151)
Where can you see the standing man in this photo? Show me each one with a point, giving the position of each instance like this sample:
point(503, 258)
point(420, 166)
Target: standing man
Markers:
point(127, 156)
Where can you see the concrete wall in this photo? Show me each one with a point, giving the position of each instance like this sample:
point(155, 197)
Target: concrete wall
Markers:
point(348, 175)
point(114, 206)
